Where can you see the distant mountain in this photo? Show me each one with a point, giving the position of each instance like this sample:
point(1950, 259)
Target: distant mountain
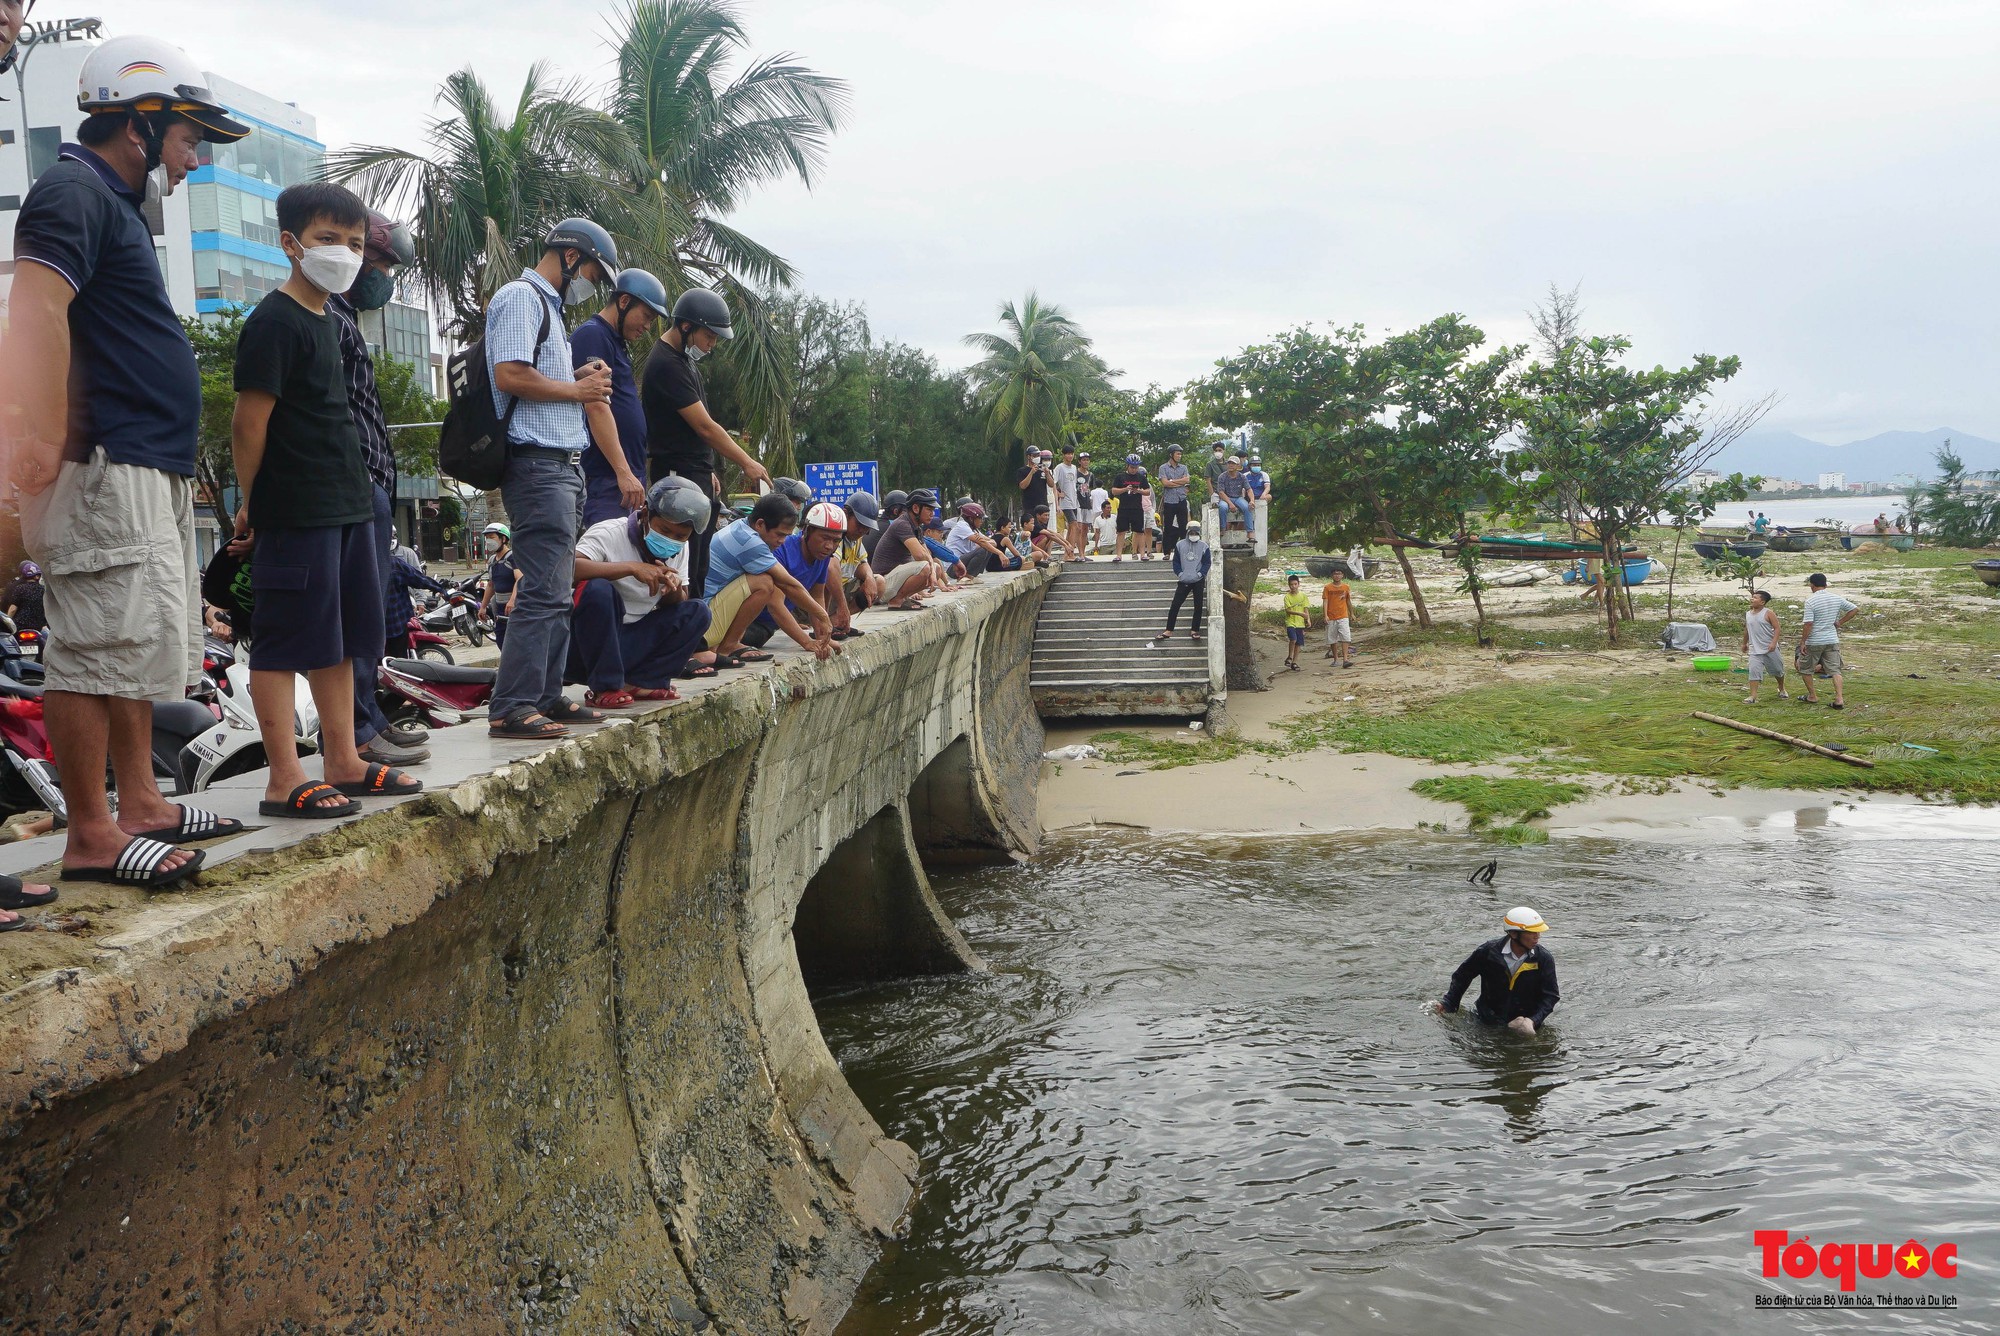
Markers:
point(1886, 458)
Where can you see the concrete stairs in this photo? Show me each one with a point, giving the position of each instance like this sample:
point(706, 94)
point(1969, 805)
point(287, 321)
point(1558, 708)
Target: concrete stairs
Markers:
point(1094, 650)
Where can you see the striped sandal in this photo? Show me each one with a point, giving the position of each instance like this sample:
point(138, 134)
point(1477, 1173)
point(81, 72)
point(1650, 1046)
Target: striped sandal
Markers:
point(195, 825)
point(140, 864)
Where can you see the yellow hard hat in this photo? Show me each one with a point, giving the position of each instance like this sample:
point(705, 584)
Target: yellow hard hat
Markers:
point(1523, 919)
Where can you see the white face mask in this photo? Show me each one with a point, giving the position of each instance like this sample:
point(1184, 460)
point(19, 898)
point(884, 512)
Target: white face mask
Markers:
point(579, 291)
point(695, 351)
point(330, 268)
point(159, 184)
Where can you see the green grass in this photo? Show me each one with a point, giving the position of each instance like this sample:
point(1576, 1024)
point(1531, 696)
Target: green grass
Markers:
point(1641, 727)
point(1488, 800)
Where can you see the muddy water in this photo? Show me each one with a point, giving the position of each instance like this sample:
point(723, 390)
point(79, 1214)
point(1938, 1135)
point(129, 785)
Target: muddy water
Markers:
point(1198, 1093)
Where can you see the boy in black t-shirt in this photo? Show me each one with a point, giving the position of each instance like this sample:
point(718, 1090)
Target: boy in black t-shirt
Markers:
point(308, 512)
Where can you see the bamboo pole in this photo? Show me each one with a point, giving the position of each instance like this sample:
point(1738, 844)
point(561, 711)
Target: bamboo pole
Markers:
point(1776, 736)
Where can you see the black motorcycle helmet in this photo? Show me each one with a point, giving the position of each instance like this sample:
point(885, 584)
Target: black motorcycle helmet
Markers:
point(642, 287)
point(587, 239)
point(704, 310)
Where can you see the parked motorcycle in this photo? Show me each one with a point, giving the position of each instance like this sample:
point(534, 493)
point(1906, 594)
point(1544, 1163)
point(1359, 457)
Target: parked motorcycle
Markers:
point(229, 744)
point(428, 644)
point(457, 611)
point(14, 646)
point(435, 695)
point(28, 779)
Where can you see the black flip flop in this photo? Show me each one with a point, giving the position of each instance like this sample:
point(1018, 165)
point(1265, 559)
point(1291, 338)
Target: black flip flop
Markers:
point(695, 673)
point(569, 712)
point(139, 865)
point(15, 895)
point(846, 633)
point(519, 729)
point(753, 656)
point(727, 661)
point(195, 825)
point(304, 803)
point(14, 925)
point(381, 781)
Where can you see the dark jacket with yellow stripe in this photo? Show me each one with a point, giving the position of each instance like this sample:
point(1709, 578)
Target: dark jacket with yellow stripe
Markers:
point(1529, 991)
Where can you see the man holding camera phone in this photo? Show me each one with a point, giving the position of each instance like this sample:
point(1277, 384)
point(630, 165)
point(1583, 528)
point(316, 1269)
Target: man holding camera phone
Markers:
point(1036, 479)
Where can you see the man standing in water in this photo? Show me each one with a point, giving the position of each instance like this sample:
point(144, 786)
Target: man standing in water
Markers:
point(1517, 976)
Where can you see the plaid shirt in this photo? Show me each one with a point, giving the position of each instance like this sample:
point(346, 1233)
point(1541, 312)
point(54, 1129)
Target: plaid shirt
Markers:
point(513, 319)
point(364, 404)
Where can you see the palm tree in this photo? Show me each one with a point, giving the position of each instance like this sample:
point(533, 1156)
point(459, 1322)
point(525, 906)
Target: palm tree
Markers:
point(491, 184)
point(1033, 374)
point(702, 138)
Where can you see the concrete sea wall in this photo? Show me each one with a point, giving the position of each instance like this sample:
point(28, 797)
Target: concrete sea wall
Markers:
point(534, 1052)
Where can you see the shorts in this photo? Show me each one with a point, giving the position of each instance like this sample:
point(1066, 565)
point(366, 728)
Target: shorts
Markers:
point(1131, 520)
point(893, 582)
point(1771, 662)
point(318, 598)
point(1070, 514)
point(1820, 656)
point(1338, 631)
point(1296, 634)
point(723, 607)
point(123, 586)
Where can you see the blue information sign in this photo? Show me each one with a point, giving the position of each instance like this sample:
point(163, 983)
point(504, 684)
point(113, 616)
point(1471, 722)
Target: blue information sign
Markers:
point(837, 482)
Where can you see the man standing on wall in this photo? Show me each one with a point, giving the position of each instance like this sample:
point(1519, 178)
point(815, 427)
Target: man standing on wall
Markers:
point(682, 440)
point(389, 247)
point(109, 402)
point(528, 358)
point(616, 460)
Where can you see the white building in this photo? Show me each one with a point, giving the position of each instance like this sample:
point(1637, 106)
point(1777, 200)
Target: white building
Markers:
point(1833, 482)
point(217, 236)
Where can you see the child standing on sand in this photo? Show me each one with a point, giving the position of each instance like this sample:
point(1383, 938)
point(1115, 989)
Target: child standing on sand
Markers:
point(1337, 601)
point(1298, 616)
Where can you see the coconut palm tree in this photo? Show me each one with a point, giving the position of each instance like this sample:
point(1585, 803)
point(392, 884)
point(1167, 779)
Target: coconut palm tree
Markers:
point(492, 183)
point(704, 134)
point(1034, 372)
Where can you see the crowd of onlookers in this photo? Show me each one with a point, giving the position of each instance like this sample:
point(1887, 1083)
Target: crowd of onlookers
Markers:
point(618, 567)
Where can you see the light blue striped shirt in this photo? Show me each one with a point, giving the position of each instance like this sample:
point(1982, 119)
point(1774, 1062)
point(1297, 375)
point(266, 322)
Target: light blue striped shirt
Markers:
point(513, 319)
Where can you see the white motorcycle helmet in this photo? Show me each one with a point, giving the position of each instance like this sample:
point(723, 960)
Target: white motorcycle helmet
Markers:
point(153, 80)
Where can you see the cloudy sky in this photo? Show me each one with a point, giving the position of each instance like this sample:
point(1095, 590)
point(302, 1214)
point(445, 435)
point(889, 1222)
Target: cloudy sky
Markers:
point(1809, 185)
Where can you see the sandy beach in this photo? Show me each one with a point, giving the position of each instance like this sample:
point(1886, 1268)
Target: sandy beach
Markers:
point(1327, 790)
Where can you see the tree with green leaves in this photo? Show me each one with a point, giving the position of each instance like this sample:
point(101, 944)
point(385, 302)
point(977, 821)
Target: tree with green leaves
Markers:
point(1370, 442)
point(1032, 375)
point(1120, 422)
point(1610, 446)
point(495, 180)
point(1957, 513)
point(708, 125)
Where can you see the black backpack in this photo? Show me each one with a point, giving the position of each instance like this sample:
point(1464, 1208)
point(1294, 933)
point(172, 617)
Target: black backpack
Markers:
point(472, 443)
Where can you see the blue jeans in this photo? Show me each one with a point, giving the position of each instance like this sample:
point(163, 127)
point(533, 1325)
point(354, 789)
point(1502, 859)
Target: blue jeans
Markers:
point(1246, 510)
point(607, 652)
point(368, 717)
point(544, 504)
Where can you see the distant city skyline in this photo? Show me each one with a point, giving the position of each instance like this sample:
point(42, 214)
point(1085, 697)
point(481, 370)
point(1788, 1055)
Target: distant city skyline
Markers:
point(1186, 180)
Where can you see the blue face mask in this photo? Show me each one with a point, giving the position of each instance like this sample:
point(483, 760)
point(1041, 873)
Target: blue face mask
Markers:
point(663, 547)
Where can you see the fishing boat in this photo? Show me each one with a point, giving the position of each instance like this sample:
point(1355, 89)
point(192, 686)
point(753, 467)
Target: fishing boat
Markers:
point(1895, 542)
point(1987, 571)
point(1709, 549)
point(1794, 540)
point(1635, 573)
